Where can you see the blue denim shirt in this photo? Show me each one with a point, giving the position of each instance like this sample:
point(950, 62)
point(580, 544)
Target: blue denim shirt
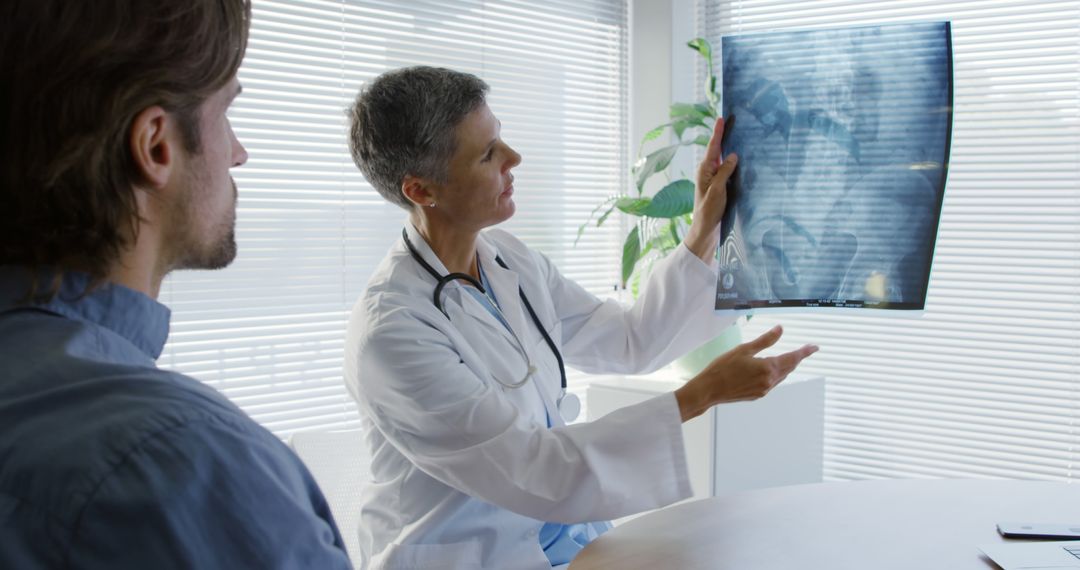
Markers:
point(108, 462)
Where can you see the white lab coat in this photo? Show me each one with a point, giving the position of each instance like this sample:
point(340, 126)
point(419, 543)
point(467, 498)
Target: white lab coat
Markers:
point(465, 471)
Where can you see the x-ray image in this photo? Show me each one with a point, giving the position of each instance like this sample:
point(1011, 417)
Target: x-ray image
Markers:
point(843, 144)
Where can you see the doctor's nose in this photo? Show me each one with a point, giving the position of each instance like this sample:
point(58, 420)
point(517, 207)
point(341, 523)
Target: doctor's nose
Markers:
point(513, 158)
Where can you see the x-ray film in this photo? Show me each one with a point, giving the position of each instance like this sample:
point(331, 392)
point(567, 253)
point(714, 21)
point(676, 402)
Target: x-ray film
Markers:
point(843, 143)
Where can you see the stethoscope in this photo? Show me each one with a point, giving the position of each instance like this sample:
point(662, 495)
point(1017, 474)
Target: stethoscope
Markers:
point(568, 404)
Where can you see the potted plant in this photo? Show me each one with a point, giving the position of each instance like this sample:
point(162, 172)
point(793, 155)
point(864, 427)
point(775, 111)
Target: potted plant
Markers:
point(661, 220)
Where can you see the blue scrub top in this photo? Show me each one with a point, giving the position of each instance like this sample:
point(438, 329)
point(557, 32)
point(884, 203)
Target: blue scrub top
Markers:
point(108, 462)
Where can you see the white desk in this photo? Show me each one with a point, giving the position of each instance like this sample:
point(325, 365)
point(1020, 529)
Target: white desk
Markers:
point(866, 525)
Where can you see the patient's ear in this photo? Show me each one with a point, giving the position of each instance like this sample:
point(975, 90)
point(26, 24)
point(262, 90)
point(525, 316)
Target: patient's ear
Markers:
point(418, 191)
point(153, 146)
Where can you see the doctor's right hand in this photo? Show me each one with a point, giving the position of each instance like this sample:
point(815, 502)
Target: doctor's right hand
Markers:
point(739, 375)
point(710, 196)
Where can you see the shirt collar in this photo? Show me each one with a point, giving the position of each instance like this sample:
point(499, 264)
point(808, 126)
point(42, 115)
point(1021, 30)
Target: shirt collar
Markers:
point(134, 316)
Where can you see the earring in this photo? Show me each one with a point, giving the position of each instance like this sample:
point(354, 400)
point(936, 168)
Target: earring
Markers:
point(431, 205)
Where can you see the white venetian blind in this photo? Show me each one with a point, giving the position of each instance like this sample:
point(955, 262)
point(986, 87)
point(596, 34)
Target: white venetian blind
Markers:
point(987, 382)
point(268, 331)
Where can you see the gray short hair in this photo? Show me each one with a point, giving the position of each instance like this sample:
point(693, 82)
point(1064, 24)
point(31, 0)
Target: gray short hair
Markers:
point(404, 122)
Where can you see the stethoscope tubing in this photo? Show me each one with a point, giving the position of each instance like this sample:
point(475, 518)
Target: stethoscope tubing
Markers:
point(442, 280)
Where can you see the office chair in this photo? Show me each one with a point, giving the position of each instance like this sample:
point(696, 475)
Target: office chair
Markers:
point(340, 464)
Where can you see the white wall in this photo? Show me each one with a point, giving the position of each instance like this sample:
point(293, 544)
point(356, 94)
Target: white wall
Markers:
point(662, 70)
point(650, 78)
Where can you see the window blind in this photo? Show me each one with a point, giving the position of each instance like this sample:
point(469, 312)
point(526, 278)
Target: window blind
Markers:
point(268, 331)
point(985, 383)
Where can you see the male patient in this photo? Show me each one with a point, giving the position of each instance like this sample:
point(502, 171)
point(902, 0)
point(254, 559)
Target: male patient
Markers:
point(115, 153)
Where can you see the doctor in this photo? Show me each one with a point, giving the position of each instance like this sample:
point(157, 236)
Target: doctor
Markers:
point(456, 350)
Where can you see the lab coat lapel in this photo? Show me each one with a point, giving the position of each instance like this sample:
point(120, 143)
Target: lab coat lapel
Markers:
point(506, 284)
point(479, 314)
point(424, 249)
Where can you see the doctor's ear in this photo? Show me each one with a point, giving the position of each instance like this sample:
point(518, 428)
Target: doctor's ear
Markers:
point(418, 191)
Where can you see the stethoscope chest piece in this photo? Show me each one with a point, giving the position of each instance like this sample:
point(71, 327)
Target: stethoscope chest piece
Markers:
point(569, 407)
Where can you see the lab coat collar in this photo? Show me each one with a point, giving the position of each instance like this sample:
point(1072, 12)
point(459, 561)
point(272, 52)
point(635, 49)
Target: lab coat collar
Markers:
point(423, 249)
point(486, 250)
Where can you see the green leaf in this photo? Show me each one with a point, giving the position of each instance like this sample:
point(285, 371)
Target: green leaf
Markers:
point(653, 163)
point(673, 227)
point(581, 228)
point(702, 46)
point(631, 254)
point(632, 206)
point(635, 286)
point(680, 125)
point(603, 217)
point(661, 244)
point(689, 111)
point(666, 237)
point(673, 200)
point(705, 110)
point(702, 140)
point(648, 247)
point(653, 134)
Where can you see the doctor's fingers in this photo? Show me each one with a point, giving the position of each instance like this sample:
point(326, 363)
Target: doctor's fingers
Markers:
point(787, 362)
point(767, 339)
point(712, 179)
point(711, 195)
point(765, 373)
point(714, 151)
point(748, 378)
point(738, 375)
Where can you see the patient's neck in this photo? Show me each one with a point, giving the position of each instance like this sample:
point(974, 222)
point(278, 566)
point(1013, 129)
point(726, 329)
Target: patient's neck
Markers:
point(454, 245)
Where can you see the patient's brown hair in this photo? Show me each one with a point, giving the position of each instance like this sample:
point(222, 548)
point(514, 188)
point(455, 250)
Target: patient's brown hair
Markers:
point(75, 74)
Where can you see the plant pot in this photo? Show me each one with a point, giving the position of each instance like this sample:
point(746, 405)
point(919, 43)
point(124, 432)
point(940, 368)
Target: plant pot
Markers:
point(693, 362)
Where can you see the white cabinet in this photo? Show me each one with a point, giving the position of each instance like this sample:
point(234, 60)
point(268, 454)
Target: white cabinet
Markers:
point(776, 440)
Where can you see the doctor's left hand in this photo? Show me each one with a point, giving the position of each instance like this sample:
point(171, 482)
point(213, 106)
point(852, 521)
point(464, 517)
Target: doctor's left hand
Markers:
point(739, 375)
point(710, 196)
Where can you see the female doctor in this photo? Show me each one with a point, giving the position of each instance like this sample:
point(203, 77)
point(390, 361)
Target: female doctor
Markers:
point(456, 351)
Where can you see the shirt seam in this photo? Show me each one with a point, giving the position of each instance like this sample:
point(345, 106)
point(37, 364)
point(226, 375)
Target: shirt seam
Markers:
point(36, 506)
point(137, 448)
